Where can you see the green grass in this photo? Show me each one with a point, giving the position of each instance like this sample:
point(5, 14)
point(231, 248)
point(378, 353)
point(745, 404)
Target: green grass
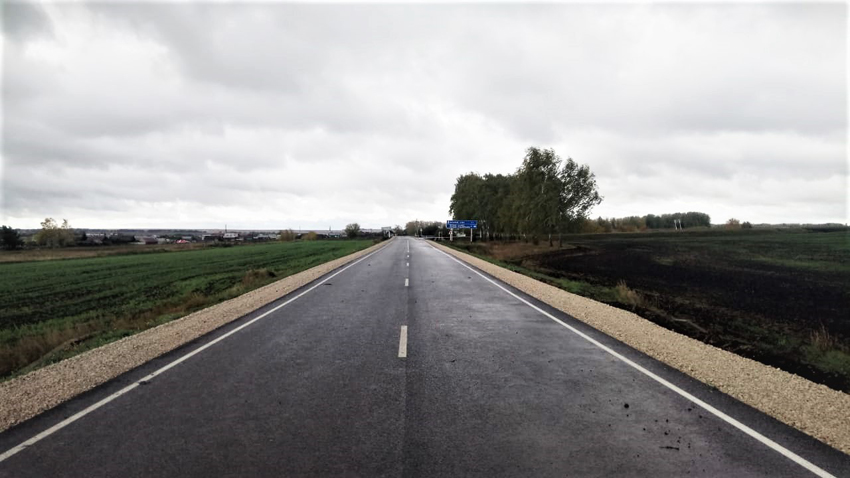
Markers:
point(50, 310)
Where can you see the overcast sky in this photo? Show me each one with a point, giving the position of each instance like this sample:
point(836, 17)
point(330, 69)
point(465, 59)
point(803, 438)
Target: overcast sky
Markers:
point(293, 115)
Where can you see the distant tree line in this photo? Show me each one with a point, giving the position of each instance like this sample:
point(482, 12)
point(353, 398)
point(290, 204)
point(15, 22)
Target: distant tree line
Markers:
point(425, 228)
point(546, 196)
point(678, 220)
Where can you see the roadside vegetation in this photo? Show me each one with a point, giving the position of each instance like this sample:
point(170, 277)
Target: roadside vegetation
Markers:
point(53, 309)
point(545, 197)
point(781, 297)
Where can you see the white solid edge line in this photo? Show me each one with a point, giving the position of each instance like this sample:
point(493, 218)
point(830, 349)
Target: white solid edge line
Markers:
point(735, 423)
point(95, 406)
point(402, 342)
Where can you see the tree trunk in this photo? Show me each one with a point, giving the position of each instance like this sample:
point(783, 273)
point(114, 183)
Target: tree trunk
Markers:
point(560, 241)
point(550, 239)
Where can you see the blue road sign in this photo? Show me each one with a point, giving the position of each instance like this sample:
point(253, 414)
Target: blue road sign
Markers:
point(462, 224)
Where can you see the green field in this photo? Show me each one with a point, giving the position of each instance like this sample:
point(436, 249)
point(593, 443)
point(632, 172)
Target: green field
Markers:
point(50, 310)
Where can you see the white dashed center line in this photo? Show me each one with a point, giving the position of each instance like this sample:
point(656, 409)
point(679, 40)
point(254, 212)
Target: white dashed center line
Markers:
point(402, 342)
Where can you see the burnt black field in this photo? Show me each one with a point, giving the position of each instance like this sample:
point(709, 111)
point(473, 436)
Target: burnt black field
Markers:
point(781, 297)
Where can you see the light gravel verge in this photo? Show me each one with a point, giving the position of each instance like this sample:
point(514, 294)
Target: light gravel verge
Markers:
point(25, 397)
point(814, 409)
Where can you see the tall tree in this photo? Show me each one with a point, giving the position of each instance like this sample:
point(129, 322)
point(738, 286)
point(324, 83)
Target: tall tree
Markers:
point(578, 195)
point(537, 189)
point(466, 200)
point(495, 191)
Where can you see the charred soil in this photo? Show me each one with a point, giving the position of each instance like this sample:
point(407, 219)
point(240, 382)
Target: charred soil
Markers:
point(782, 298)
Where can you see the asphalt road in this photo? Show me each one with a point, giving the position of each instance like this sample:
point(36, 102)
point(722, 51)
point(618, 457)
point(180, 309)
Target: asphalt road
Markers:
point(485, 385)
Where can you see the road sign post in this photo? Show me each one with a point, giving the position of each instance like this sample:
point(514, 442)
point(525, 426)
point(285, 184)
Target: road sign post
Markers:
point(461, 224)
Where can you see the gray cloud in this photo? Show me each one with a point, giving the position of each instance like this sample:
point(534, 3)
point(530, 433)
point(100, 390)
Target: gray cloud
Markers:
point(273, 114)
point(25, 21)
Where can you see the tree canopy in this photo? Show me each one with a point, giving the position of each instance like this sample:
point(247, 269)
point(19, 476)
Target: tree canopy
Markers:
point(352, 230)
point(10, 238)
point(545, 195)
point(54, 235)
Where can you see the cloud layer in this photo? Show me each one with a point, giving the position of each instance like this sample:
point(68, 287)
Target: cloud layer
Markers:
point(272, 115)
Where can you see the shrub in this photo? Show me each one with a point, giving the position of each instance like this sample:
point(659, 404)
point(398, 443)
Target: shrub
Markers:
point(352, 230)
point(257, 275)
point(311, 236)
point(288, 235)
point(822, 340)
point(627, 296)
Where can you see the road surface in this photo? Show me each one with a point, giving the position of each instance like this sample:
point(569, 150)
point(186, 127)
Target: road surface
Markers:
point(407, 363)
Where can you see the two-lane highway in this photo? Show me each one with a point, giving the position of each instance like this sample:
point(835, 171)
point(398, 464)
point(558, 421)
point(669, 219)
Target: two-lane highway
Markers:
point(409, 363)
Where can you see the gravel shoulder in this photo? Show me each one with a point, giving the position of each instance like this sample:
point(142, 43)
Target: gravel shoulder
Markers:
point(29, 395)
point(814, 409)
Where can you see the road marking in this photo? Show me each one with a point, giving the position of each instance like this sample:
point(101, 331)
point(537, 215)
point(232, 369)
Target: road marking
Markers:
point(12, 451)
point(714, 411)
point(402, 342)
point(406, 282)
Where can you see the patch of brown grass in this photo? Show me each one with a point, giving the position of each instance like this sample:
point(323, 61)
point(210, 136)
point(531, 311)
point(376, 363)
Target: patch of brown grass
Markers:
point(30, 349)
point(255, 276)
point(516, 250)
point(29, 255)
point(822, 340)
point(627, 296)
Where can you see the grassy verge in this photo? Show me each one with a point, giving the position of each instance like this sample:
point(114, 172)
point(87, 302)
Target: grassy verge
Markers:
point(51, 310)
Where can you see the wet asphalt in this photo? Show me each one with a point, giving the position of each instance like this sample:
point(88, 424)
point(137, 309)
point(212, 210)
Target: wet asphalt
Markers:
point(489, 387)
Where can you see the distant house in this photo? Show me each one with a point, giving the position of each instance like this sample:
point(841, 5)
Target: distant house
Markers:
point(149, 240)
point(230, 236)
